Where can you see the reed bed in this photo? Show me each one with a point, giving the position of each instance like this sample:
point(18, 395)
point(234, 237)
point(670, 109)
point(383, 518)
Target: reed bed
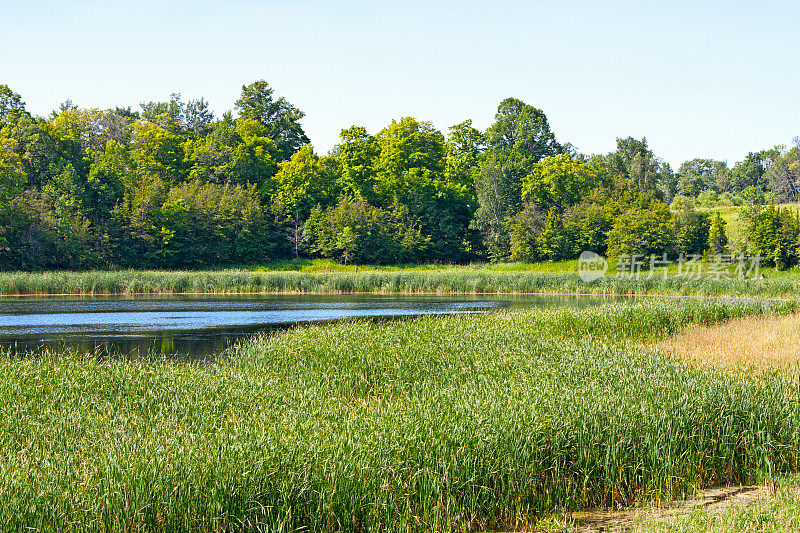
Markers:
point(439, 423)
point(424, 281)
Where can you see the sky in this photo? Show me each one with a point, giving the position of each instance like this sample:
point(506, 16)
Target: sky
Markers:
point(697, 79)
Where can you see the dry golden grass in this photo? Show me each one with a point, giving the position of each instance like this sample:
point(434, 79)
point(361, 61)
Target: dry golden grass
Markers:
point(753, 343)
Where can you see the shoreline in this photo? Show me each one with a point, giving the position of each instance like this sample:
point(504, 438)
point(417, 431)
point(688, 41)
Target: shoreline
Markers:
point(402, 293)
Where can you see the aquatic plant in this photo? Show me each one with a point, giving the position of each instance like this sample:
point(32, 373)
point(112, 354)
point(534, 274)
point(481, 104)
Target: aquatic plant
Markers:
point(448, 280)
point(436, 423)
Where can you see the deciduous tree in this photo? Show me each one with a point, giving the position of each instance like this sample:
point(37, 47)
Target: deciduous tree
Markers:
point(280, 118)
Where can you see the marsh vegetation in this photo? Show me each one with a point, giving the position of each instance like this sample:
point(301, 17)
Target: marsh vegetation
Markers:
point(426, 280)
point(436, 423)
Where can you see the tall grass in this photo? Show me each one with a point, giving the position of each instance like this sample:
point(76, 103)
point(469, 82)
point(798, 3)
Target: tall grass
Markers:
point(438, 423)
point(433, 281)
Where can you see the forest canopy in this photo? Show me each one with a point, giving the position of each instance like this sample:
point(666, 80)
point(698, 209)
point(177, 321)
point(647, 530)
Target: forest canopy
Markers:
point(171, 185)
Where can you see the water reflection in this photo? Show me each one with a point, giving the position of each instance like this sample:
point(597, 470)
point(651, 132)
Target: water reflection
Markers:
point(200, 326)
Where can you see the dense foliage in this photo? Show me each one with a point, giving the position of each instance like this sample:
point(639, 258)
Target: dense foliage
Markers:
point(171, 185)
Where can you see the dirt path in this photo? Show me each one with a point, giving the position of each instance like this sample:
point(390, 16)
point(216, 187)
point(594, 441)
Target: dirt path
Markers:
point(717, 499)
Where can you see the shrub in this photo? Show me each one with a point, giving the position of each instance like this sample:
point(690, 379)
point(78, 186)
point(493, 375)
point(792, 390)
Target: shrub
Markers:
point(692, 231)
point(355, 231)
point(642, 230)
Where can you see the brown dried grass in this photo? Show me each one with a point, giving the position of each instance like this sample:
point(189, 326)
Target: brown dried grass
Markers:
point(759, 343)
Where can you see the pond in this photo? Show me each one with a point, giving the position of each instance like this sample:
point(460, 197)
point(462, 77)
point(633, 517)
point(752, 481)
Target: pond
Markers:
point(201, 326)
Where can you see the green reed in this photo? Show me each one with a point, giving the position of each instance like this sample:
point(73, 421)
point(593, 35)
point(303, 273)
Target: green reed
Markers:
point(407, 281)
point(438, 423)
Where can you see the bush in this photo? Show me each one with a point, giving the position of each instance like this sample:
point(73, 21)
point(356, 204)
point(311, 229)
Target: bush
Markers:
point(642, 230)
point(717, 239)
point(206, 223)
point(524, 229)
point(776, 235)
point(707, 199)
point(353, 231)
point(692, 231)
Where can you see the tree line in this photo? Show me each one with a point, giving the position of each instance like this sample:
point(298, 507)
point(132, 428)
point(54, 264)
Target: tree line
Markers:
point(171, 185)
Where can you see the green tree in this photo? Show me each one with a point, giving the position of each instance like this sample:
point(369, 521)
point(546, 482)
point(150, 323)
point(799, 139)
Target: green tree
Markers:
point(157, 151)
point(692, 231)
point(106, 180)
point(410, 172)
point(700, 175)
point(38, 150)
point(355, 231)
point(204, 223)
point(208, 159)
point(553, 242)
point(639, 167)
point(91, 129)
point(356, 153)
point(783, 175)
point(234, 152)
point(301, 185)
point(280, 118)
point(12, 172)
point(254, 159)
point(197, 119)
point(642, 230)
point(495, 190)
point(524, 229)
point(587, 225)
point(751, 171)
point(168, 114)
point(463, 150)
point(11, 105)
point(717, 239)
point(519, 138)
point(12, 181)
point(408, 149)
point(559, 182)
point(192, 119)
point(43, 236)
point(172, 233)
point(775, 236)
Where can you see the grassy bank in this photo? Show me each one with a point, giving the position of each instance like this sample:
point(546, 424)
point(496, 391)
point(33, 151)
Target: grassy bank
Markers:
point(438, 423)
point(446, 280)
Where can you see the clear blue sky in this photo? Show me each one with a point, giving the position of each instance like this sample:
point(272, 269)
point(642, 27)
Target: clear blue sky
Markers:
point(698, 79)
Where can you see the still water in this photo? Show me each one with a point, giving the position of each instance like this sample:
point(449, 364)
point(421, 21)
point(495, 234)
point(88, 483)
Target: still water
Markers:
point(201, 326)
